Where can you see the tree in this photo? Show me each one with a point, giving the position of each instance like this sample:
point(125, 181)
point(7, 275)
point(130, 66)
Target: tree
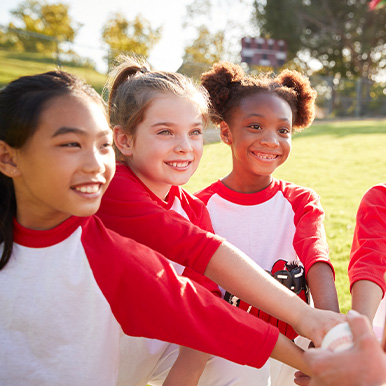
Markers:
point(205, 50)
point(123, 36)
point(346, 37)
point(42, 27)
point(211, 45)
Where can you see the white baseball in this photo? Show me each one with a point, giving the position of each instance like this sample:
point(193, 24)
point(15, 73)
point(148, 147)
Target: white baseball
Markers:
point(339, 338)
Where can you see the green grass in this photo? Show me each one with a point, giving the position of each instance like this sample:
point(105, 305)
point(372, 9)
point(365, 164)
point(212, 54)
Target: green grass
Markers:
point(16, 64)
point(340, 161)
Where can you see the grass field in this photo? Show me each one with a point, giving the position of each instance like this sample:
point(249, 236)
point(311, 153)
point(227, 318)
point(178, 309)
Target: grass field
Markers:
point(16, 64)
point(340, 161)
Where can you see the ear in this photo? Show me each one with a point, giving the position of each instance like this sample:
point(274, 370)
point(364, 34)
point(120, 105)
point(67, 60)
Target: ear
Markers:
point(123, 141)
point(8, 164)
point(225, 133)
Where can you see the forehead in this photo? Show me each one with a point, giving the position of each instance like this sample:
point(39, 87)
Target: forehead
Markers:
point(167, 104)
point(265, 102)
point(78, 111)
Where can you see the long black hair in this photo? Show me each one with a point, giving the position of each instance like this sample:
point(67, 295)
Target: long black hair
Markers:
point(21, 103)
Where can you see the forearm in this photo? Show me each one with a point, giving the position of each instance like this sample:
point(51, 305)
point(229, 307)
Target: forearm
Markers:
point(320, 280)
point(288, 352)
point(239, 275)
point(187, 368)
point(365, 298)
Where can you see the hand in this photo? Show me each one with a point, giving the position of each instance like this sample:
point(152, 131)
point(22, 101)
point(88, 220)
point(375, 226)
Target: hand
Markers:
point(315, 323)
point(362, 365)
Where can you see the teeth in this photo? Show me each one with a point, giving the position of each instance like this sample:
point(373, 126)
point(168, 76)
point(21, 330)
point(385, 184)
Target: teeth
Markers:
point(267, 156)
point(179, 164)
point(88, 189)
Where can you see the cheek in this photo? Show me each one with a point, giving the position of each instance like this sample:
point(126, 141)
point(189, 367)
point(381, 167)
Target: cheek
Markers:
point(110, 165)
point(199, 149)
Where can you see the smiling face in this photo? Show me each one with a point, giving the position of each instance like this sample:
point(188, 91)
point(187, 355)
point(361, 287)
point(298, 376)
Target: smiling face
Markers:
point(66, 166)
point(259, 133)
point(167, 145)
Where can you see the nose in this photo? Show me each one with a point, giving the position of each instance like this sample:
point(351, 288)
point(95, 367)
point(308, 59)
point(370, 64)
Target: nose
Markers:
point(94, 162)
point(269, 138)
point(183, 144)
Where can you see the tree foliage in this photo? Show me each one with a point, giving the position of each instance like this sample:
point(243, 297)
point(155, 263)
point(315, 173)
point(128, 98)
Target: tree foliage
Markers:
point(346, 37)
point(212, 42)
point(41, 27)
point(205, 50)
point(124, 36)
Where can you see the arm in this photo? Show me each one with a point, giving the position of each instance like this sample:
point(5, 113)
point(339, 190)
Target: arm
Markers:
point(129, 209)
point(229, 264)
point(366, 296)
point(288, 352)
point(311, 246)
point(368, 252)
point(320, 279)
point(364, 364)
point(141, 287)
point(187, 368)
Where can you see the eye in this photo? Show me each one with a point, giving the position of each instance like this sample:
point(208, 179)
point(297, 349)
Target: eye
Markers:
point(284, 130)
point(107, 144)
point(196, 132)
point(165, 132)
point(255, 126)
point(70, 144)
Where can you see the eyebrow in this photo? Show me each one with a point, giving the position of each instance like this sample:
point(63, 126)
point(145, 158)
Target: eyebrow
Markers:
point(262, 116)
point(74, 130)
point(198, 123)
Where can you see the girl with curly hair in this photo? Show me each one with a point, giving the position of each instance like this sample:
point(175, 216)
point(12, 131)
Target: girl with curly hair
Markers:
point(278, 224)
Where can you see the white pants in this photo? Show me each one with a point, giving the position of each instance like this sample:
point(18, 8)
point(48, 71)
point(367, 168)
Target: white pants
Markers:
point(148, 361)
point(282, 374)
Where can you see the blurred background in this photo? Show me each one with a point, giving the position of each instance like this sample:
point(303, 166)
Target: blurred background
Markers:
point(341, 45)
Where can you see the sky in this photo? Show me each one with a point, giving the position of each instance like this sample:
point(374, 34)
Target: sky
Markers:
point(168, 14)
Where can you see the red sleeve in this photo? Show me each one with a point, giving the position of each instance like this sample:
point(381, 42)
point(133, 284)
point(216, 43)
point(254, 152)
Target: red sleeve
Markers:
point(149, 299)
point(205, 194)
point(197, 211)
point(368, 251)
point(198, 215)
point(130, 210)
point(310, 240)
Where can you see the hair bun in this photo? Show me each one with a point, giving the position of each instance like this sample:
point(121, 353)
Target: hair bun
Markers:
point(218, 82)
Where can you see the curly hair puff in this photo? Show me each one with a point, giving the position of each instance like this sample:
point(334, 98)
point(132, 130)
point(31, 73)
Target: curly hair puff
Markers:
point(227, 85)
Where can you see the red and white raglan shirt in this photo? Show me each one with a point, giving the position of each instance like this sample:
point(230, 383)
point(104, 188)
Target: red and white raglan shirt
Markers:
point(283, 222)
point(179, 228)
point(368, 251)
point(66, 293)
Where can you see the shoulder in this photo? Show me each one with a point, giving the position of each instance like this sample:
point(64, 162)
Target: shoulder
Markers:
point(195, 209)
point(376, 194)
point(124, 183)
point(295, 192)
point(205, 194)
point(104, 243)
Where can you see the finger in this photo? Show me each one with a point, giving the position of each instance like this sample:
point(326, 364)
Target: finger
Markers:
point(359, 324)
point(301, 379)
